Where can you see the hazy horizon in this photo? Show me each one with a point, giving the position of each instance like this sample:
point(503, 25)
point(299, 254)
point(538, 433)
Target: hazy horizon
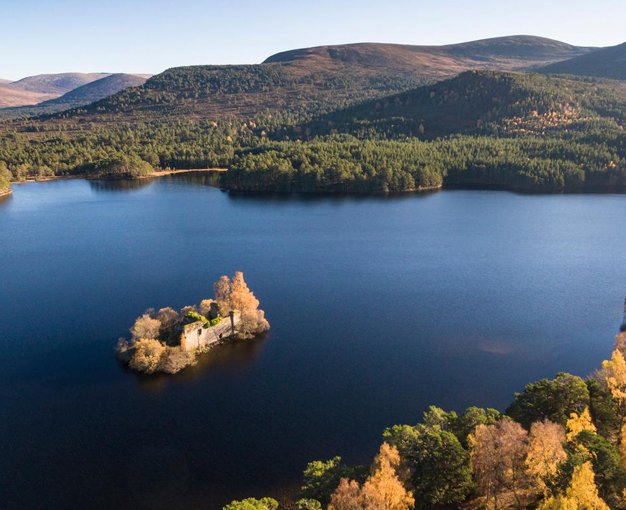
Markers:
point(150, 36)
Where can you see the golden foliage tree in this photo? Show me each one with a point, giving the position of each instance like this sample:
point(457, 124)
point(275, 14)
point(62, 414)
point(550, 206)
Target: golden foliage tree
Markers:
point(545, 452)
point(347, 496)
point(613, 374)
point(146, 327)
point(241, 297)
point(498, 454)
point(582, 493)
point(383, 490)
point(579, 422)
point(147, 356)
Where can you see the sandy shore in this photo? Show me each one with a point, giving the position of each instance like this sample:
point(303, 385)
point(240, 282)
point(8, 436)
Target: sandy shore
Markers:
point(158, 173)
point(161, 173)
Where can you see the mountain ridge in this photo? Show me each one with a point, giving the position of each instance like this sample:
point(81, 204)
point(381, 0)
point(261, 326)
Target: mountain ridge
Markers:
point(323, 78)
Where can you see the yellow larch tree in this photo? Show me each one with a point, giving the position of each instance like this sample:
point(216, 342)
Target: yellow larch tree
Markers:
point(579, 422)
point(582, 493)
point(545, 452)
point(347, 496)
point(383, 490)
point(498, 454)
point(614, 375)
point(241, 297)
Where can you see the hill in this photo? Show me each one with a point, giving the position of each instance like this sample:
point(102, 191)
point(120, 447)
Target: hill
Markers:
point(11, 96)
point(503, 53)
point(96, 90)
point(35, 89)
point(300, 83)
point(482, 101)
point(56, 83)
point(83, 95)
point(604, 63)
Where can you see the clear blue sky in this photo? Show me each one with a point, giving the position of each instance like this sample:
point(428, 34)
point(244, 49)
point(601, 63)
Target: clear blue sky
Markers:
point(47, 36)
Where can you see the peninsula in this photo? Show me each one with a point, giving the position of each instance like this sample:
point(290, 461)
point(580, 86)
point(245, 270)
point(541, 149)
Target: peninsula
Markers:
point(167, 341)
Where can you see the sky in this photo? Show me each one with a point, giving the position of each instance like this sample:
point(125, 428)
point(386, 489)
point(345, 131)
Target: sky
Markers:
point(143, 36)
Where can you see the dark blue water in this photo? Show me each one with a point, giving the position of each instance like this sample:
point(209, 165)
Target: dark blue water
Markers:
point(379, 307)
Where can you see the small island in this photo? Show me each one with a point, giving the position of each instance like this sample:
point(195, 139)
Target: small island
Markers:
point(167, 341)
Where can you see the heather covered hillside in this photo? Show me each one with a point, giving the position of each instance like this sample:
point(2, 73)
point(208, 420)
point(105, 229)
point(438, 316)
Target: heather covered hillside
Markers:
point(485, 101)
point(314, 80)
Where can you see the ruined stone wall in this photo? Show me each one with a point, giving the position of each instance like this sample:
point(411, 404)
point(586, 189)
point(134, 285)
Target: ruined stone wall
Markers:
point(194, 336)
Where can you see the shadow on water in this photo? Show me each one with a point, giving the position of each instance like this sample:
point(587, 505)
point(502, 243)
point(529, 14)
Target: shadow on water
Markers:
point(278, 197)
point(232, 359)
point(124, 185)
point(121, 185)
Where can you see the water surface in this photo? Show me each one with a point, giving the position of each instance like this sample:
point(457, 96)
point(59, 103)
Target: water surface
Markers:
point(379, 307)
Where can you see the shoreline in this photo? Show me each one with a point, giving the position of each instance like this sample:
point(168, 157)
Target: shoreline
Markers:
point(152, 175)
point(592, 189)
point(6, 193)
point(163, 173)
point(580, 190)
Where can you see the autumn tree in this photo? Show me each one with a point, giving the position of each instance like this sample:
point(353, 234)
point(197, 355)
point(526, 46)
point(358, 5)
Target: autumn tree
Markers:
point(167, 317)
point(605, 459)
point(582, 493)
point(146, 327)
point(347, 496)
point(545, 452)
point(148, 355)
point(579, 422)
point(383, 490)
point(243, 299)
point(613, 374)
point(498, 455)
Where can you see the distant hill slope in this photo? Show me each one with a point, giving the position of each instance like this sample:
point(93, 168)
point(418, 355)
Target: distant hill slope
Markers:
point(302, 82)
point(35, 89)
point(56, 83)
point(85, 94)
point(503, 53)
point(10, 96)
point(604, 63)
point(475, 101)
point(96, 90)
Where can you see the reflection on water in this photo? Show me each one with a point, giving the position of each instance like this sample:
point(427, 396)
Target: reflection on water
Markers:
point(186, 178)
point(195, 178)
point(232, 358)
point(5, 199)
point(119, 185)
